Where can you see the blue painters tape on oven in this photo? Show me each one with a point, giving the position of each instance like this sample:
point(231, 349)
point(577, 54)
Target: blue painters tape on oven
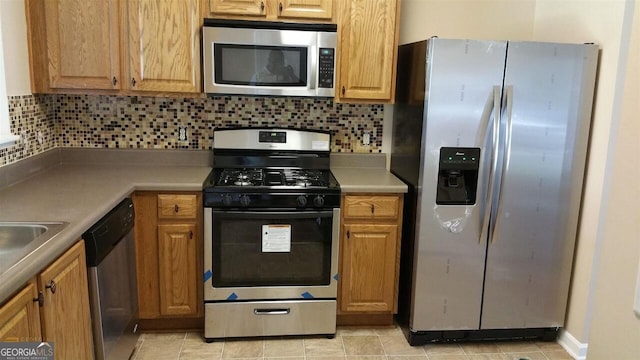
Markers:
point(233, 296)
point(307, 295)
point(335, 277)
point(207, 275)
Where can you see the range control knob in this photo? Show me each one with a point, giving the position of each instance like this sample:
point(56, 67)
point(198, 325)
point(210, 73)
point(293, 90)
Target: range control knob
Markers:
point(302, 200)
point(245, 200)
point(318, 201)
point(227, 199)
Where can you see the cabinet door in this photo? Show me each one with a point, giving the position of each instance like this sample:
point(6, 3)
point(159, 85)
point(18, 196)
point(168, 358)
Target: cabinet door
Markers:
point(20, 316)
point(65, 314)
point(308, 9)
point(83, 44)
point(368, 275)
point(367, 62)
point(164, 46)
point(238, 7)
point(177, 269)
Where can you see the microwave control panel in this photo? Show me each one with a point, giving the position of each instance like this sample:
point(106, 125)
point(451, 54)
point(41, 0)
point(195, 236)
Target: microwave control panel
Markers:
point(327, 61)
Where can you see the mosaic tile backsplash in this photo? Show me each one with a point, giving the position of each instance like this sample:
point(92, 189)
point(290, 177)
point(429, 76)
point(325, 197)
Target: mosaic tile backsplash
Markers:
point(102, 121)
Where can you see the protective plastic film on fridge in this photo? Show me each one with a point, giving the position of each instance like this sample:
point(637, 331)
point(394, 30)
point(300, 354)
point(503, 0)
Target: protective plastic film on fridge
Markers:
point(491, 137)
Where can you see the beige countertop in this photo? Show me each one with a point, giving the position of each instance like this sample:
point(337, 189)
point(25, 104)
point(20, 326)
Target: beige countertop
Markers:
point(79, 194)
point(365, 173)
point(79, 186)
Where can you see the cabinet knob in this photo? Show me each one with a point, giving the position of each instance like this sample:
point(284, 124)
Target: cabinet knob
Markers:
point(343, 90)
point(190, 234)
point(373, 208)
point(52, 286)
point(114, 81)
point(280, 8)
point(348, 235)
point(176, 208)
point(262, 6)
point(133, 81)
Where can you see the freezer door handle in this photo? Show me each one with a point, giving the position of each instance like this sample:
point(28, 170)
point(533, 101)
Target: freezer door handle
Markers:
point(505, 160)
point(495, 133)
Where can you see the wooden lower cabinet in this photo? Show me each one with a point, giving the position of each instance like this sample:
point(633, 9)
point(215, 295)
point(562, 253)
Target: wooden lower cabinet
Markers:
point(168, 235)
point(369, 258)
point(20, 316)
point(177, 267)
point(63, 316)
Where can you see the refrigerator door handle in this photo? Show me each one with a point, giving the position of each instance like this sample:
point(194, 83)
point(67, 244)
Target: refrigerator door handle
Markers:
point(494, 161)
point(505, 160)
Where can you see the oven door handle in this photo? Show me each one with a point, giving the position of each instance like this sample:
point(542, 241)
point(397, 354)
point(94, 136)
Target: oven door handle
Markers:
point(273, 214)
point(283, 311)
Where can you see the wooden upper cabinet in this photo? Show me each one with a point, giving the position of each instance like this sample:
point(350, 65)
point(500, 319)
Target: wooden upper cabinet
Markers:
point(83, 44)
point(238, 7)
point(368, 43)
point(310, 9)
point(273, 9)
point(163, 45)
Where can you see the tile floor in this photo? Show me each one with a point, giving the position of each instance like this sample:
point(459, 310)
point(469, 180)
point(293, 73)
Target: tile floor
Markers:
point(349, 344)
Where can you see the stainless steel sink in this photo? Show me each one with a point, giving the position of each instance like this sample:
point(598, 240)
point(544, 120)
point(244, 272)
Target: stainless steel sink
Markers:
point(16, 235)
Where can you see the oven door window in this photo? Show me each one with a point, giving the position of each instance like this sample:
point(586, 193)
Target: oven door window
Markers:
point(260, 65)
point(241, 259)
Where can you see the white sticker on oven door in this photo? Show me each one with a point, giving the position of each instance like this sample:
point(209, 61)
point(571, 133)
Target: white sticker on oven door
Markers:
point(276, 238)
point(319, 145)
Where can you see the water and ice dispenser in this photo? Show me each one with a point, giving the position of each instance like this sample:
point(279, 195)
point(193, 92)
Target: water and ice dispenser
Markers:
point(458, 176)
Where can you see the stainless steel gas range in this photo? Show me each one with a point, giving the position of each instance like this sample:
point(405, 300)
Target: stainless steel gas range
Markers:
point(272, 214)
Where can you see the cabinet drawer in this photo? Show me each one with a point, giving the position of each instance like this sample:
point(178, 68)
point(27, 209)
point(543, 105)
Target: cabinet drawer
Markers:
point(172, 206)
point(371, 207)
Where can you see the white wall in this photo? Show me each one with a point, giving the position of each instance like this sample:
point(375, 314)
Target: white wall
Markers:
point(469, 19)
point(615, 329)
point(599, 21)
point(14, 39)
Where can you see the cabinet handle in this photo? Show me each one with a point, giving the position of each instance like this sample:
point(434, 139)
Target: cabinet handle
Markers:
point(280, 8)
point(348, 235)
point(373, 208)
point(39, 299)
point(190, 234)
point(176, 208)
point(262, 6)
point(343, 90)
point(133, 81)
point(114, 81)
point(52, 286)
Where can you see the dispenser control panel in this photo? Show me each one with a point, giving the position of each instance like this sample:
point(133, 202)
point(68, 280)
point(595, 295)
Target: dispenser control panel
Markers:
point(458, 176)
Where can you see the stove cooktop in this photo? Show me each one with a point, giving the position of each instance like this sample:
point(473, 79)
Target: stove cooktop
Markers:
point(272, 188)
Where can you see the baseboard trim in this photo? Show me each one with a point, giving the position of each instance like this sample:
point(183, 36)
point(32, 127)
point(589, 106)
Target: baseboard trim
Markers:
point(575, 348)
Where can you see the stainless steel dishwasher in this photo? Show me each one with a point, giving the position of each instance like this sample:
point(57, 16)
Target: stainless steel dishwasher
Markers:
point(112, 283)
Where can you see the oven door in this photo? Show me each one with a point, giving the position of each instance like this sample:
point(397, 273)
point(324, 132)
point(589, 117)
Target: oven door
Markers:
point(267, 255)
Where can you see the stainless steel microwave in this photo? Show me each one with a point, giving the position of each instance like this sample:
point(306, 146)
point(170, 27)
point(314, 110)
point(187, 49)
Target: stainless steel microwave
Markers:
point(268, 58)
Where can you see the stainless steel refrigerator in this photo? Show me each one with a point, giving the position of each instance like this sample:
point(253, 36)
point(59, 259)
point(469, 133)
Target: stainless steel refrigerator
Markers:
point(491, 137)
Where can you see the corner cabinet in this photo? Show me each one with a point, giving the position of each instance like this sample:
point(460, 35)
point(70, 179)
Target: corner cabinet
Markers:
point(367, 50)
point(168, 234)
point(82, 42)
point(272, 9)
point(55, 308)
point(126, 46)
point(369, 258)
